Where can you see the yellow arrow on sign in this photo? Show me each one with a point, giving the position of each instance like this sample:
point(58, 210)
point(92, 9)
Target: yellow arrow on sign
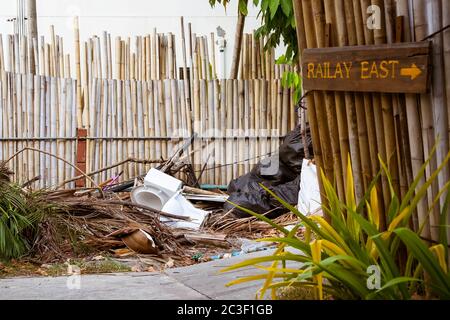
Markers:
point(412, 72)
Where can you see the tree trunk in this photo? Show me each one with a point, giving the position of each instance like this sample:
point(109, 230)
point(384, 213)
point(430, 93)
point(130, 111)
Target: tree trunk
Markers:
point(238, 44)
point(32, 27)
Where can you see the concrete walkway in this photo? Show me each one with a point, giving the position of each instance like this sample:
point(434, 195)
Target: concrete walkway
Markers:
point(201, 281)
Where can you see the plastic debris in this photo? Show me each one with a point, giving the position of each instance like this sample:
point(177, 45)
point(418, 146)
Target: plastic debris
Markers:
point(309, 195)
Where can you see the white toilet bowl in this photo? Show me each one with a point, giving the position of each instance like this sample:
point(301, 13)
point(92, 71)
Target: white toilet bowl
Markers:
point(149, 197)
point(163, 192)
point(157, 190)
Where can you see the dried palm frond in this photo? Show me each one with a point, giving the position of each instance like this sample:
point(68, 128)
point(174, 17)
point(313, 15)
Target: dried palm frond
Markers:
point(250, 227)
point(87, 223)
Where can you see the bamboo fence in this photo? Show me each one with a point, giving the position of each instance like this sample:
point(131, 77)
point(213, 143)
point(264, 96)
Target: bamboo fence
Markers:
point(139, 120)
point(136, 102)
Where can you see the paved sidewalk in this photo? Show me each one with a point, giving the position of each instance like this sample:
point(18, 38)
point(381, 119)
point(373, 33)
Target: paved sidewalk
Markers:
point(201, 281)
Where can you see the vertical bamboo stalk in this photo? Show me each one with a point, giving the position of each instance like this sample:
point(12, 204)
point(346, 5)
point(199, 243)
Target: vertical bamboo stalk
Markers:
point(141, 122)
point(78, 71)
point(163, 120)
point(148, 59)
point(303, 18)
point(446, 49)
point(215, 131)
point(53, 130)
point(62, 111)
point(235, 127)
point(256, 119)
point(213, 56)
point(86, 82)
point(30, 124)
point(118, 58)
point(171, 57)
point(316, 15)
point(440, 111)
point(151, 119)
point(413, 119)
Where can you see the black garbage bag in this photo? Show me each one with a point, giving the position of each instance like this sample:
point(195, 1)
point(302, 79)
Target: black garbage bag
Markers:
point(252, 197)
point(292, 151)
point(271, 171)
point(288, 192)
point(280, 173)
point(255, 198)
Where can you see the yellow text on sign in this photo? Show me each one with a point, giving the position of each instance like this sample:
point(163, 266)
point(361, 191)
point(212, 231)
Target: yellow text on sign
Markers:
point(379, 70)
point(342, 70)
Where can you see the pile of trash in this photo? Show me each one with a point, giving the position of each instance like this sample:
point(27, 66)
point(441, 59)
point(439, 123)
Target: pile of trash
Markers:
point(170, 220)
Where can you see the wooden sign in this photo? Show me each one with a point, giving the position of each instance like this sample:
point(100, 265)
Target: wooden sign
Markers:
point(393, 68)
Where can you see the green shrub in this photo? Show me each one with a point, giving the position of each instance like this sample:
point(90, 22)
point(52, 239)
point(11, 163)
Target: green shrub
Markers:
point(337, 261)
point(20, 212)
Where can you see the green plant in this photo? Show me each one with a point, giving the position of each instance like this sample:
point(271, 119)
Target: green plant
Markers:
point(20, 212)
point(277, 22)
point(293, 80)
point(337, 261)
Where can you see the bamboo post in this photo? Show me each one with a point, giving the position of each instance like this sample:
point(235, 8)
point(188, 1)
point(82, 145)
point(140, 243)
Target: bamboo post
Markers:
point(413, 119)
point(158, 144)
point(368, 123)
point(216, 131)
point(239, 125)
point(213, 56)
point(235, 126)
point(141, 127)
point(316, 15)
point(440, 111)
point(78, 72)
point(446, 49)
point(151, 119)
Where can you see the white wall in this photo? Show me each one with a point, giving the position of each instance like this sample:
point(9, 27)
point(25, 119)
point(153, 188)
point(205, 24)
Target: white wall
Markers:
point(131, 17)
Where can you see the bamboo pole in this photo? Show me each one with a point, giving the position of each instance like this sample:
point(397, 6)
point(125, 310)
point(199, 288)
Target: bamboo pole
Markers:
point(78, 71)
point(413, 119)
point(357, 35)
point(446, 52)
point(332, 118)
point(221, 171)
point(316, 14)
point(365, 37)
point(213, 56)
point(440, 111)
point(306, 36)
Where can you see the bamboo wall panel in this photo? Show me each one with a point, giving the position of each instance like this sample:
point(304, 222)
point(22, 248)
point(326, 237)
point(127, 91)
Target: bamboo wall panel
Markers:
point(38, 112)
point(139, 119)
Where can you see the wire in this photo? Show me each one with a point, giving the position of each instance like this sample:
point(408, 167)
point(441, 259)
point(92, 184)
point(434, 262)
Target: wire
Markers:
point(436, 33)
point(237, 162)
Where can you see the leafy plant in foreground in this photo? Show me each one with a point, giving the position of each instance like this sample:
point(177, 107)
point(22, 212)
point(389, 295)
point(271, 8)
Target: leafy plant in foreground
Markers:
point(336, 256)
point(20, 212)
